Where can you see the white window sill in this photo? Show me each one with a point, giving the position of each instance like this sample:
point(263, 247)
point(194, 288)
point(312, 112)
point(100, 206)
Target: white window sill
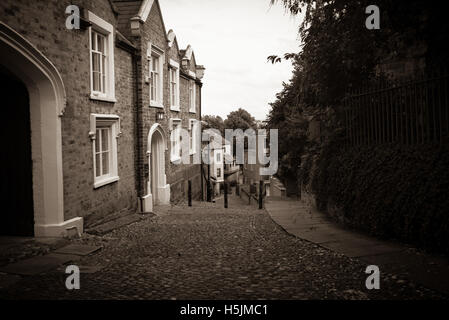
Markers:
point(103, 98)
point(192, 111)
point(192, 152)
point(175, 108)
point(175, 160)
point(155, 104)
point(105, 181)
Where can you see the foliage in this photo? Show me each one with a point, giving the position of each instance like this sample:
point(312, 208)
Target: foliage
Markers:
point(338, 53)
point(213, 122)
point(390, 191)
point(240, 119)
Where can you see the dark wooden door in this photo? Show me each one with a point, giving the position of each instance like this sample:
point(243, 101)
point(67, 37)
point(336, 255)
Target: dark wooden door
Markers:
point(16, 207)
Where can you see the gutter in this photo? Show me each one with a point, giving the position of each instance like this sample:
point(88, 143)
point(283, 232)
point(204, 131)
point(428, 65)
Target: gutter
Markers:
point(200, 84)
point(135, 58)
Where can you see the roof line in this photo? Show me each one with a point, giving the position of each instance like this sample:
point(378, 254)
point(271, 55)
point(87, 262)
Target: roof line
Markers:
point(145, 9)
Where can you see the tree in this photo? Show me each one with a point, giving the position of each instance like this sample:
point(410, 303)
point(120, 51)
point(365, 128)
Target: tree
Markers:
point(338, 53)
point(240, 119)
point(213, 122)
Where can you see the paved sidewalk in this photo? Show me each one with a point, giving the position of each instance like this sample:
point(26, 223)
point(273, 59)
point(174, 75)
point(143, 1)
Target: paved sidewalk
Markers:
point(306, 222)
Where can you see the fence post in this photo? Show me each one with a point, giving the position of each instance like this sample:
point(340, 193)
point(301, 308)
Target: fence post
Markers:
point(260, 194)
point(190, 192)
point(225, 195)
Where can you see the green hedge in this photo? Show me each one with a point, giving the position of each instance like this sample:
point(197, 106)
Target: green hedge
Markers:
point(390, 191)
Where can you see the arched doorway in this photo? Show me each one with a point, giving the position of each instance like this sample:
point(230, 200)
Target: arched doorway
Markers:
point(23, 63)
point(158, 191)
point(16, 185)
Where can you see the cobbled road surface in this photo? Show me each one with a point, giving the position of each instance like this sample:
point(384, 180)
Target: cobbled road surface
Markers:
point(207, 252)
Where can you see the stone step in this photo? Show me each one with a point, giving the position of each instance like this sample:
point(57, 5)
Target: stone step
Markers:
point(38, 264)
point(107, 227)
point(108, 218)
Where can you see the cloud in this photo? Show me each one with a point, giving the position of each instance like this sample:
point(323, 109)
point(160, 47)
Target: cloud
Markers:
point(233, 39)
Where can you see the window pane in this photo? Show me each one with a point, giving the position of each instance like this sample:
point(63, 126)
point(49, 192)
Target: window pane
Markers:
point(96, 80)
point(103, 86)
point(101, 41)
point(94, 40)
point(97, 141)
point(97, 164)
point(157, 85)
point(192, 102)
point(104, 65)
point(96, 71)
point(152, 87)
point(105, 140)
point(105, 163)
point(95, 62)
point(104, 70)
point(155, 64)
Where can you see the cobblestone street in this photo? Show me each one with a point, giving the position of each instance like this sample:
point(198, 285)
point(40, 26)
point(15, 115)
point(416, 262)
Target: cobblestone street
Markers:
point(207, 252)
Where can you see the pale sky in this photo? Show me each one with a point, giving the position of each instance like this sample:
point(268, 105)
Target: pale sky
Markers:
point(232, 39)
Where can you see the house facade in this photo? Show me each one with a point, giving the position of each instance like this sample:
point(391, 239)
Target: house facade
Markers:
point(91, 112)
point(169, 98)
point(222, 165)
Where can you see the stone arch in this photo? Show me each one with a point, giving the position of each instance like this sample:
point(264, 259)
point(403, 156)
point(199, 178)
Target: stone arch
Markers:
point(156, 128)
point(158, 191)
point(47, 103)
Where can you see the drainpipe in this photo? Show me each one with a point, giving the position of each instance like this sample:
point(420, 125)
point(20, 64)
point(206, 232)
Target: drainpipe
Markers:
point(200, 142)
point(136, 56)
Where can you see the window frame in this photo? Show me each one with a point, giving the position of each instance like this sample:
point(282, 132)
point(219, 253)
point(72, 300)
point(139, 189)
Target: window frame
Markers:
point(102, 64)
point(100, 26)
point(192, 96)
point(174, 67)
point(154, 52)
point(101, 152)
point(175, 140)
point(193, 128)
point(112, 123)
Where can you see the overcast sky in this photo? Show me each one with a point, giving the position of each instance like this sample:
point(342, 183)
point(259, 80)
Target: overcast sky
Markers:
point(232, 39)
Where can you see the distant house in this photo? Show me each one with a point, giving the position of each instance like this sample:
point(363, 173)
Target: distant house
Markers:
point(251, 171)
point(222, 164)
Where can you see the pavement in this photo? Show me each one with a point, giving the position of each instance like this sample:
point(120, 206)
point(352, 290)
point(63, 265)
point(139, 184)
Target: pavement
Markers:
point(304, 221)
point(48, 254)
point(203, 252)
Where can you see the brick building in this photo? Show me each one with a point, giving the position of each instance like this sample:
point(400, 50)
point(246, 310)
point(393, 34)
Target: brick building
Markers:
point(89, 113)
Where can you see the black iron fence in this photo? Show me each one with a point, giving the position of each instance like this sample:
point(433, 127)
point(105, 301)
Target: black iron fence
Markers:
point(413, 112)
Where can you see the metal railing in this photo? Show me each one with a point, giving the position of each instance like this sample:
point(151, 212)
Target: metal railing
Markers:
point(413, 112)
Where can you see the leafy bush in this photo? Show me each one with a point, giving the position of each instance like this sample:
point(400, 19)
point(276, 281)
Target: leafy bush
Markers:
point(390, 191)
